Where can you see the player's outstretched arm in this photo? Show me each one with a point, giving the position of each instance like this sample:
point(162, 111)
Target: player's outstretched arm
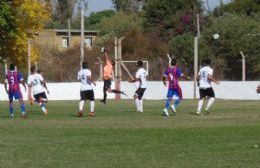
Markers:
point(186, 77)
point(134, 80)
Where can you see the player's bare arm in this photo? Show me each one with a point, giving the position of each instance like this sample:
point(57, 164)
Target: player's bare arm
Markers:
point(45, 86)
point(5, 84)
point(91, 80)
point(164, 80)
point(134, 80)
point(23, 83)
point(198, 80)
point(186, 77)
point(210, 77)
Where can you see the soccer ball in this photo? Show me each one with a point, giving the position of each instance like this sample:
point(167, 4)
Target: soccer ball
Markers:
point(215, 36)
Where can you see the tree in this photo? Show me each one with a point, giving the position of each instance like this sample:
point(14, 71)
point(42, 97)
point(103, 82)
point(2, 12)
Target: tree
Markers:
point(128, 5)
point(237, 33)
point(95, 18)
point(28, 17)
point(243, 7)
point(7, 28)
point(160, 15)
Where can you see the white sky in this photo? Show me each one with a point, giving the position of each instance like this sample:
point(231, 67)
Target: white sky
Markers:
point(99, 5)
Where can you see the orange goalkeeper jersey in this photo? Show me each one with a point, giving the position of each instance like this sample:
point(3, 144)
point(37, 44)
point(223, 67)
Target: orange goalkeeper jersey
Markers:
point(108, 69)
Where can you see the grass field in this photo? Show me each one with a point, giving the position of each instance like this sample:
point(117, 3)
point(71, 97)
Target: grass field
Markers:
point(118, 137)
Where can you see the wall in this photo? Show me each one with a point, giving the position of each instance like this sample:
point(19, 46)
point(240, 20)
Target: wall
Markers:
point(156, 91)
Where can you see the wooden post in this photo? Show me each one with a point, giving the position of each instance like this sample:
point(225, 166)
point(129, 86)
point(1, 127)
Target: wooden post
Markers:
point(243, 66)
point(29, 56)
point(82, 13)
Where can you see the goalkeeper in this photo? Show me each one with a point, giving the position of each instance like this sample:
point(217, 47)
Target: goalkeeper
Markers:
point(107, 75)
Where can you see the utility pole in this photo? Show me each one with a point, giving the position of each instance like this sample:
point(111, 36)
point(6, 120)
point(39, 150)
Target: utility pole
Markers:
point(82, 13)
point(196, 53)
point(69, 32)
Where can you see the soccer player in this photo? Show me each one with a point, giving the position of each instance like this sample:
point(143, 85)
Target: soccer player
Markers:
point(205, 76)
point(36, 83)
point(173, 73)
point(13, 79)
point(141, 78)
point(86, 90)
point(107, 76)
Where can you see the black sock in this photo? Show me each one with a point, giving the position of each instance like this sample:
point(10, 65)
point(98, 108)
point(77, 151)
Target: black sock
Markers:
point(117, 91)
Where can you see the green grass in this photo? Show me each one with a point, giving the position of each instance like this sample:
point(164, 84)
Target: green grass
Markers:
point(118, 137)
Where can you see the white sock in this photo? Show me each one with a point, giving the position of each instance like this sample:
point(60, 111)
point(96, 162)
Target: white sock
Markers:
point(137, 104)
point(141, 105)
point(43, 109)
point(92, 106)
point(166, 111)
point(200, 104)
point(210, 102)
point(81, 105)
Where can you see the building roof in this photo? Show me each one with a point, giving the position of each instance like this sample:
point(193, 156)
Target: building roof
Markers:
point(73, 31)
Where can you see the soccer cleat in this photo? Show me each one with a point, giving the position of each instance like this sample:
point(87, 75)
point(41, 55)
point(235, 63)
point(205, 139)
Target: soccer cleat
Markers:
point(11, 116)
point(80, 114)
point(103, 101)
point(207, 111)
point(197, 113)
point(173, 110)
point(45, 113)
point(165, 113)
point(92, 114)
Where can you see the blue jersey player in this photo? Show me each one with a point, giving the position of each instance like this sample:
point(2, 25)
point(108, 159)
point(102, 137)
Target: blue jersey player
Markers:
point(172, 74)
point(13, 80)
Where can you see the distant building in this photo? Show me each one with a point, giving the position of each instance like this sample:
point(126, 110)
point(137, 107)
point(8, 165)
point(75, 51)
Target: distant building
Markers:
point(59, 38)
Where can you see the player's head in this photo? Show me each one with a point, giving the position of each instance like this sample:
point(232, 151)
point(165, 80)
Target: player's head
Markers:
point(139, 63)
point(12, 67)
point(207, 61)
point(33, 69)
point(84, 65)
point(39, 71)
point(173, 62)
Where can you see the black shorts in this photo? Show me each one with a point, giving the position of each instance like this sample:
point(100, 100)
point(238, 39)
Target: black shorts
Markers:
point(87, 95)
point(204, 93)
point(40, 96)
point(107, 84)
point(140, 92)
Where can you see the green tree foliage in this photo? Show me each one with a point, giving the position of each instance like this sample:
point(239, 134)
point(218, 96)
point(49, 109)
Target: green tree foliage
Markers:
point(243, 6)
point(7, 28)
point(119, 24)
point(160, 15)
point(128, 5)
point(237, 33)
point(61, 11)
point(96, 17)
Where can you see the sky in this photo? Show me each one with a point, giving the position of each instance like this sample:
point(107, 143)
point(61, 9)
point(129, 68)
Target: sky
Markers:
point(99, 5)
